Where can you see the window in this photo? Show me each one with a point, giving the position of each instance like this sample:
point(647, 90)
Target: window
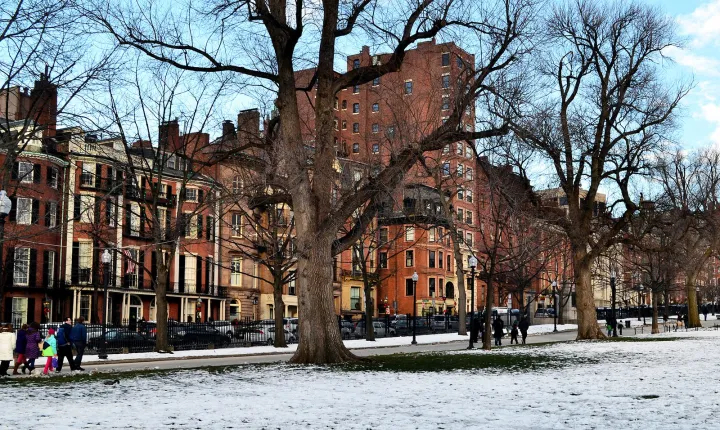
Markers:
point(468, 151)
point(50, 265)
point(445, 102)
point(234, 310)
point(236, 223)
point(355, 298)
point(291, 286)
point(431, 259)
point(446, 149)
point(460, 214)
point(468, 217)
point(21, 275)
point(24, 211)
point(191, 229)
point(445, 59)
point(375, 128)
point(408, 87)
point(344, 125)
point(390, 131)
point(356, 148)
point(431, 235)
point(85, 262)
point(52, 179)
point(440, 259)
point(431, 287)
point(448, 262)
point(459, 148)
point(461, 193)
point(131, 275)
point(376, 107)
point(460, 170)
point(356, 127)
point(344, 104)
point(356, 89)
point(235, 272)
point(383, 260)
point(356, 64)
point(460, 63)
point(356, 107)
point(357, 175)
point(191, 194)
point(468, 196)
point(190, 273)
point(161, 221)
point(469, 239)
point(409, 258)
point(85, 306)
point(237, 184)
point(51, 214)
point(446, 169)
point(446, 81)
point(87, 208)
point(87, 177)
point(25, 172)
point(409, 234)
point(171, 162)
point(409, 287)
point(376, 148)
point(469, 174)
point(376, 82)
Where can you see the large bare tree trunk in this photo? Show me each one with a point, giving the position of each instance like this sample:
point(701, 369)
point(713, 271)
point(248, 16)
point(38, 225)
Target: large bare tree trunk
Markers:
point(320, 339)
point(369, 329)
point(161, 333)
point(487, 334)
point(462, 296)
point(693, 312)
point(279, 306)
point(655, 327)
point(588, 327)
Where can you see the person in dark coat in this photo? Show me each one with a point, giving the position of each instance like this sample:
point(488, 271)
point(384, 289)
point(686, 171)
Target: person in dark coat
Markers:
point(64, 345)
point(20, 344)
point(32, 347)
point(705, 311)
point(132, 326)
point(474, 329)
point(78, 337)
point(686, 319)
point(514, 333)
point(524, 325)
point(498, 326)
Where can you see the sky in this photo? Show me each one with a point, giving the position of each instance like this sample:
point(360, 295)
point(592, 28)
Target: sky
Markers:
point(697, 61)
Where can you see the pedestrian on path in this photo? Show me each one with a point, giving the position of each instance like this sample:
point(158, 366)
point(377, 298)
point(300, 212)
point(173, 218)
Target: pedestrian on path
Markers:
point(64, 347)
point(78, 337)
point(498, 326)
point(20, 344)
point(524, 326)
point(705, 311)
point(7, 344)
point(514, 333)
point(32, 346)
point(686, 320)
point(609, 328)
point(49, 351)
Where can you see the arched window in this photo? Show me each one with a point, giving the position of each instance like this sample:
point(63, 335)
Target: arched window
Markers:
point(449, 290)
point(234, 310)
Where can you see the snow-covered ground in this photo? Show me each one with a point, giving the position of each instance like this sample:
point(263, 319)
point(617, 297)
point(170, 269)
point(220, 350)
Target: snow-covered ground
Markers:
point(352, 344)
point(641, 385)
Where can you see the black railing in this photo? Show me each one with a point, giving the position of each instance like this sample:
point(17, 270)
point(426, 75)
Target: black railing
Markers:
point(145, 195)
point(191, 288)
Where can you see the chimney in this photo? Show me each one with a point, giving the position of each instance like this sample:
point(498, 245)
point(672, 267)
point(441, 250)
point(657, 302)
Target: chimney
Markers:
point(248, 123)
point(169, 135)
point(365, 51)
point(228, 130)
point(44, 104)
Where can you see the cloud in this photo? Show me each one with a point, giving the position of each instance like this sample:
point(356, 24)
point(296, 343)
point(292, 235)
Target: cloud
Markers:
point(710, 112)
point(703, 24)
point(698, 63)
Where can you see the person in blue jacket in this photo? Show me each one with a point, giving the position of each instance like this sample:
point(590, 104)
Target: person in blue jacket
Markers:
point(78, 337)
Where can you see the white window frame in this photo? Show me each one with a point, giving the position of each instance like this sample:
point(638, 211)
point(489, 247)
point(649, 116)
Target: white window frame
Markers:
point(192, 228)
point(134, 219)
point(21, 267)
point(237, 184)
point(87, 175)
point(405, 87)
point(26, 174)
point(87, 208)
point(50, 268)
point(54, 176)
point(409, 234)
point(23, 216)
point(190, 273)
point(171, 162)
point(85, 259)
point(236, 272)
point(52, 207)
point(191, 194)
point(236, 224)
point(134, 275)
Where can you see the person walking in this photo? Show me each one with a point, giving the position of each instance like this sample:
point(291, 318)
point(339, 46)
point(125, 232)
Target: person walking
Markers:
point(7, 344)
point(32, 346)
point(78, 337)
point(514, 333)
point(686, 320)
point(20, 344)
point(524, 325)
point(705, 311)
point(64, 347)
point(498, 326)
point(49, 351)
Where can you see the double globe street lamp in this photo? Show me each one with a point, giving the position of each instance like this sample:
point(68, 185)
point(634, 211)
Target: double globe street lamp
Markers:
point(415, 278)
point(106, 258)
point(5, 207)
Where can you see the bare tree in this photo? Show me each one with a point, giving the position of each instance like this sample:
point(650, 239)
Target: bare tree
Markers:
point(603, 110)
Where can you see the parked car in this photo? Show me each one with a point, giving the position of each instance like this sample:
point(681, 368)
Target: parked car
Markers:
point(378, 327)
point(264, 335)
point(346, 329)
point(117, 338)
point(200, 334)
point(445, 322)
point(404, 327)
point(291, 324)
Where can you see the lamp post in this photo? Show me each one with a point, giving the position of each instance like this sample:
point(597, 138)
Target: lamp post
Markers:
point(106, 259)
point(555, 307)
point(414, 279)
point(640, 303)
point(472, 262)
point(613, 291)
point(5, 207)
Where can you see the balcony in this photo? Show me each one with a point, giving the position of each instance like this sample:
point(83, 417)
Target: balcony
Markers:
point(146, 196)
point(190, 288)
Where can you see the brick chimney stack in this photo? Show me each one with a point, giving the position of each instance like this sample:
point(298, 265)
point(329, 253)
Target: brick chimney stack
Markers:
point(169, 136)
point(248, 123)
point(228, 130)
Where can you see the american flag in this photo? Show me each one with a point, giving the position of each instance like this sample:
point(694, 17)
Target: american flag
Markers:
point(130, 262)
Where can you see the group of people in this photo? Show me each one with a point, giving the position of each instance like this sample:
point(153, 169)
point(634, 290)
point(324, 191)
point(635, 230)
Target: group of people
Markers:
point(29, 344)
point(498, 327)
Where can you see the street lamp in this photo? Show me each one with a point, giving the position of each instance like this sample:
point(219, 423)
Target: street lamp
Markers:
point(106, 259)
point(640, 309)
point(613, 291)
point(5, 206)
point(555, 307)
point(198, 311)
point(414, 279)
point(472, 262)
